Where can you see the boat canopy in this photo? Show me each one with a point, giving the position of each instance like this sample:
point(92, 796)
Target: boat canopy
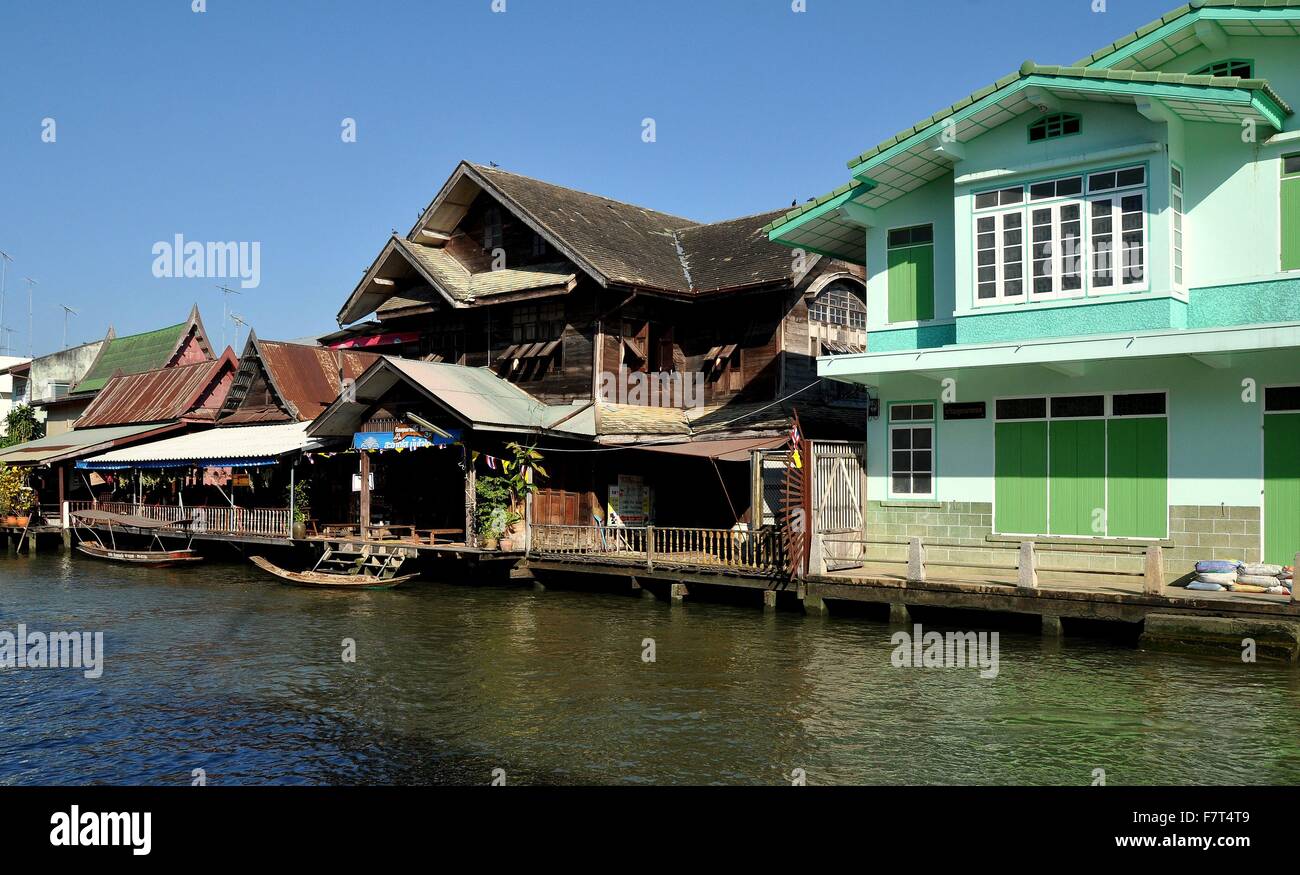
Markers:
point(121, 519)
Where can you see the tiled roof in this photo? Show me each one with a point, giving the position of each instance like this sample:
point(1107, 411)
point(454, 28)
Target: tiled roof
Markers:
point(1180, 12)
point(131, 355)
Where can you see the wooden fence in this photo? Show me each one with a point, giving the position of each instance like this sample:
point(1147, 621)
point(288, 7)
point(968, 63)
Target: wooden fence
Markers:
point(262, 522)
point(729, 550)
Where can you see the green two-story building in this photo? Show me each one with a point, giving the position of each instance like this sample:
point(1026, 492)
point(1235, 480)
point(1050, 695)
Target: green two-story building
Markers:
point(1083, 298)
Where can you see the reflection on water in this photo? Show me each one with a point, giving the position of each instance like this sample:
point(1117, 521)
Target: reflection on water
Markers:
point(223, 669)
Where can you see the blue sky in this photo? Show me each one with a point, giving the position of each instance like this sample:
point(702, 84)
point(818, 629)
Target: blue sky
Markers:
point(225, 125)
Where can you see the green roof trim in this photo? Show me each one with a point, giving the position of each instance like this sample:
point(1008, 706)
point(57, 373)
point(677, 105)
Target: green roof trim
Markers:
point(1031, 73)
point(816, 207)
point(1184, 15)
point(133, 354)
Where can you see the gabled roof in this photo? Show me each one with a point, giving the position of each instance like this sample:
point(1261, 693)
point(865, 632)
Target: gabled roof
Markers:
point(137, 353)
point(303, 380)
point(928, 150)
point(1174, 34)
point(191, 392)
point(615, 243)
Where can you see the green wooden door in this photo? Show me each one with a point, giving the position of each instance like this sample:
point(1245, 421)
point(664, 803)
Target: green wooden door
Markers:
point(1138, 478)
point(1291, 223)
point(1078, 477)
point(1020, 478)
point(1281, 487)
point(911, 284)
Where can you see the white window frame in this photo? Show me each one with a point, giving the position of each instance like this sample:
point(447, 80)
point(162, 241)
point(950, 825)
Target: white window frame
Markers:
point(1086, 256)
point(1177, 227)
point(1116, 200)
point(1059, 257)
point(912, 425)
point(999, 255)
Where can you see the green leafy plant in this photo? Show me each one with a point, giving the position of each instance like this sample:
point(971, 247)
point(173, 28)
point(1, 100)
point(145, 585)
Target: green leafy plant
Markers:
point(16, 497)
point(300, 497)
point(21, 425)
point(525, 473)
point(493, 514)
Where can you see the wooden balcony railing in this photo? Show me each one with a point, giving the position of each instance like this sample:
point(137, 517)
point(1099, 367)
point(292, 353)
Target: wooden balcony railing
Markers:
point(759, 552)
point(262, 522)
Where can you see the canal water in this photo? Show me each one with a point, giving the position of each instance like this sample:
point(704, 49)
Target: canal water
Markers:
point(225, 670)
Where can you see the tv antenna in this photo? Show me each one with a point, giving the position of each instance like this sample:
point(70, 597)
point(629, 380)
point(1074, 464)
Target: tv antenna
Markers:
point(226, 292)
point(67, 311)
point(31, 283)
point(239, 323)
point(5, 258)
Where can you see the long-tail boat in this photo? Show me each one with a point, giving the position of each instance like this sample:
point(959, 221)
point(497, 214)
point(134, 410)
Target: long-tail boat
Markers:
point(162, 557)
point(366, 568)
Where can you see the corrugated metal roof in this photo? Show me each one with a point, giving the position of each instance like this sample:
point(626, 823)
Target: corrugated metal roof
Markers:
point(214, 444)
point(158, 395)
point(303, 379)
point(477, 394)
point(307, 377)
point(79, 442)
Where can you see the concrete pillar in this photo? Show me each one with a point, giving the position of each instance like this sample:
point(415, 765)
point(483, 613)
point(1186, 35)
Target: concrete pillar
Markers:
point(67, 540)
point(1028, 577)
point(769, 600)
point(915, 561)
point(12, 544)
point(677, 593)
point(1052, 626)
point(813, 603)
point(816, 555)
point(538, 586)
point(1153, 582)
point(899, 615)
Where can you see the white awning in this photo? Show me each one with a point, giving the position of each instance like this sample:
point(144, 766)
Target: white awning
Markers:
point(241, 446)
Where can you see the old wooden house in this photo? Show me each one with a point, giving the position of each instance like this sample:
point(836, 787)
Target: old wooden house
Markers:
point(681, 338)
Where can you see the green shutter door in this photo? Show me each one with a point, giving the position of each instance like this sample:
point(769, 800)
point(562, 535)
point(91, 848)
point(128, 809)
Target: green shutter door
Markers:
point(1291, 223)
point(1281, 487)
point(911, 284)
point(1138, 478)
point(1020, 475)
point(1078, 475)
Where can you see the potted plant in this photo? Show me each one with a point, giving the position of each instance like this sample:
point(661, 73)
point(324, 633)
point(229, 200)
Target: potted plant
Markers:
point(300, 497)
point(24, 507)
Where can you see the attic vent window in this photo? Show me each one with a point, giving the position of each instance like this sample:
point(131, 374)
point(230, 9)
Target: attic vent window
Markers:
point(492, 234)
point(1061, 124)
point(1234, 67)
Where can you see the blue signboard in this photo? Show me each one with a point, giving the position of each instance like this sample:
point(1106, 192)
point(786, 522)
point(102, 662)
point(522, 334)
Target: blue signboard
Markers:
point(403, 439)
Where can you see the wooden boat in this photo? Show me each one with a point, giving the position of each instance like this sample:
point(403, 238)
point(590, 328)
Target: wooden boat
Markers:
point(149, 558)
point(329, 579)
point(145, 558)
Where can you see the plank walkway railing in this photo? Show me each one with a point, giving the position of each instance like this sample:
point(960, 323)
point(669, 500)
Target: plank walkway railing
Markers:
point(728, 550)
point(262, 522)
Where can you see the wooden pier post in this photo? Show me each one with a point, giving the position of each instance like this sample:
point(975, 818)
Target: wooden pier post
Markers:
point(1028, 576)
point(365, 494)
point(769, 600)
point(915, 561)
point(1153, 583)
point(677, 593)
point(471, 501)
